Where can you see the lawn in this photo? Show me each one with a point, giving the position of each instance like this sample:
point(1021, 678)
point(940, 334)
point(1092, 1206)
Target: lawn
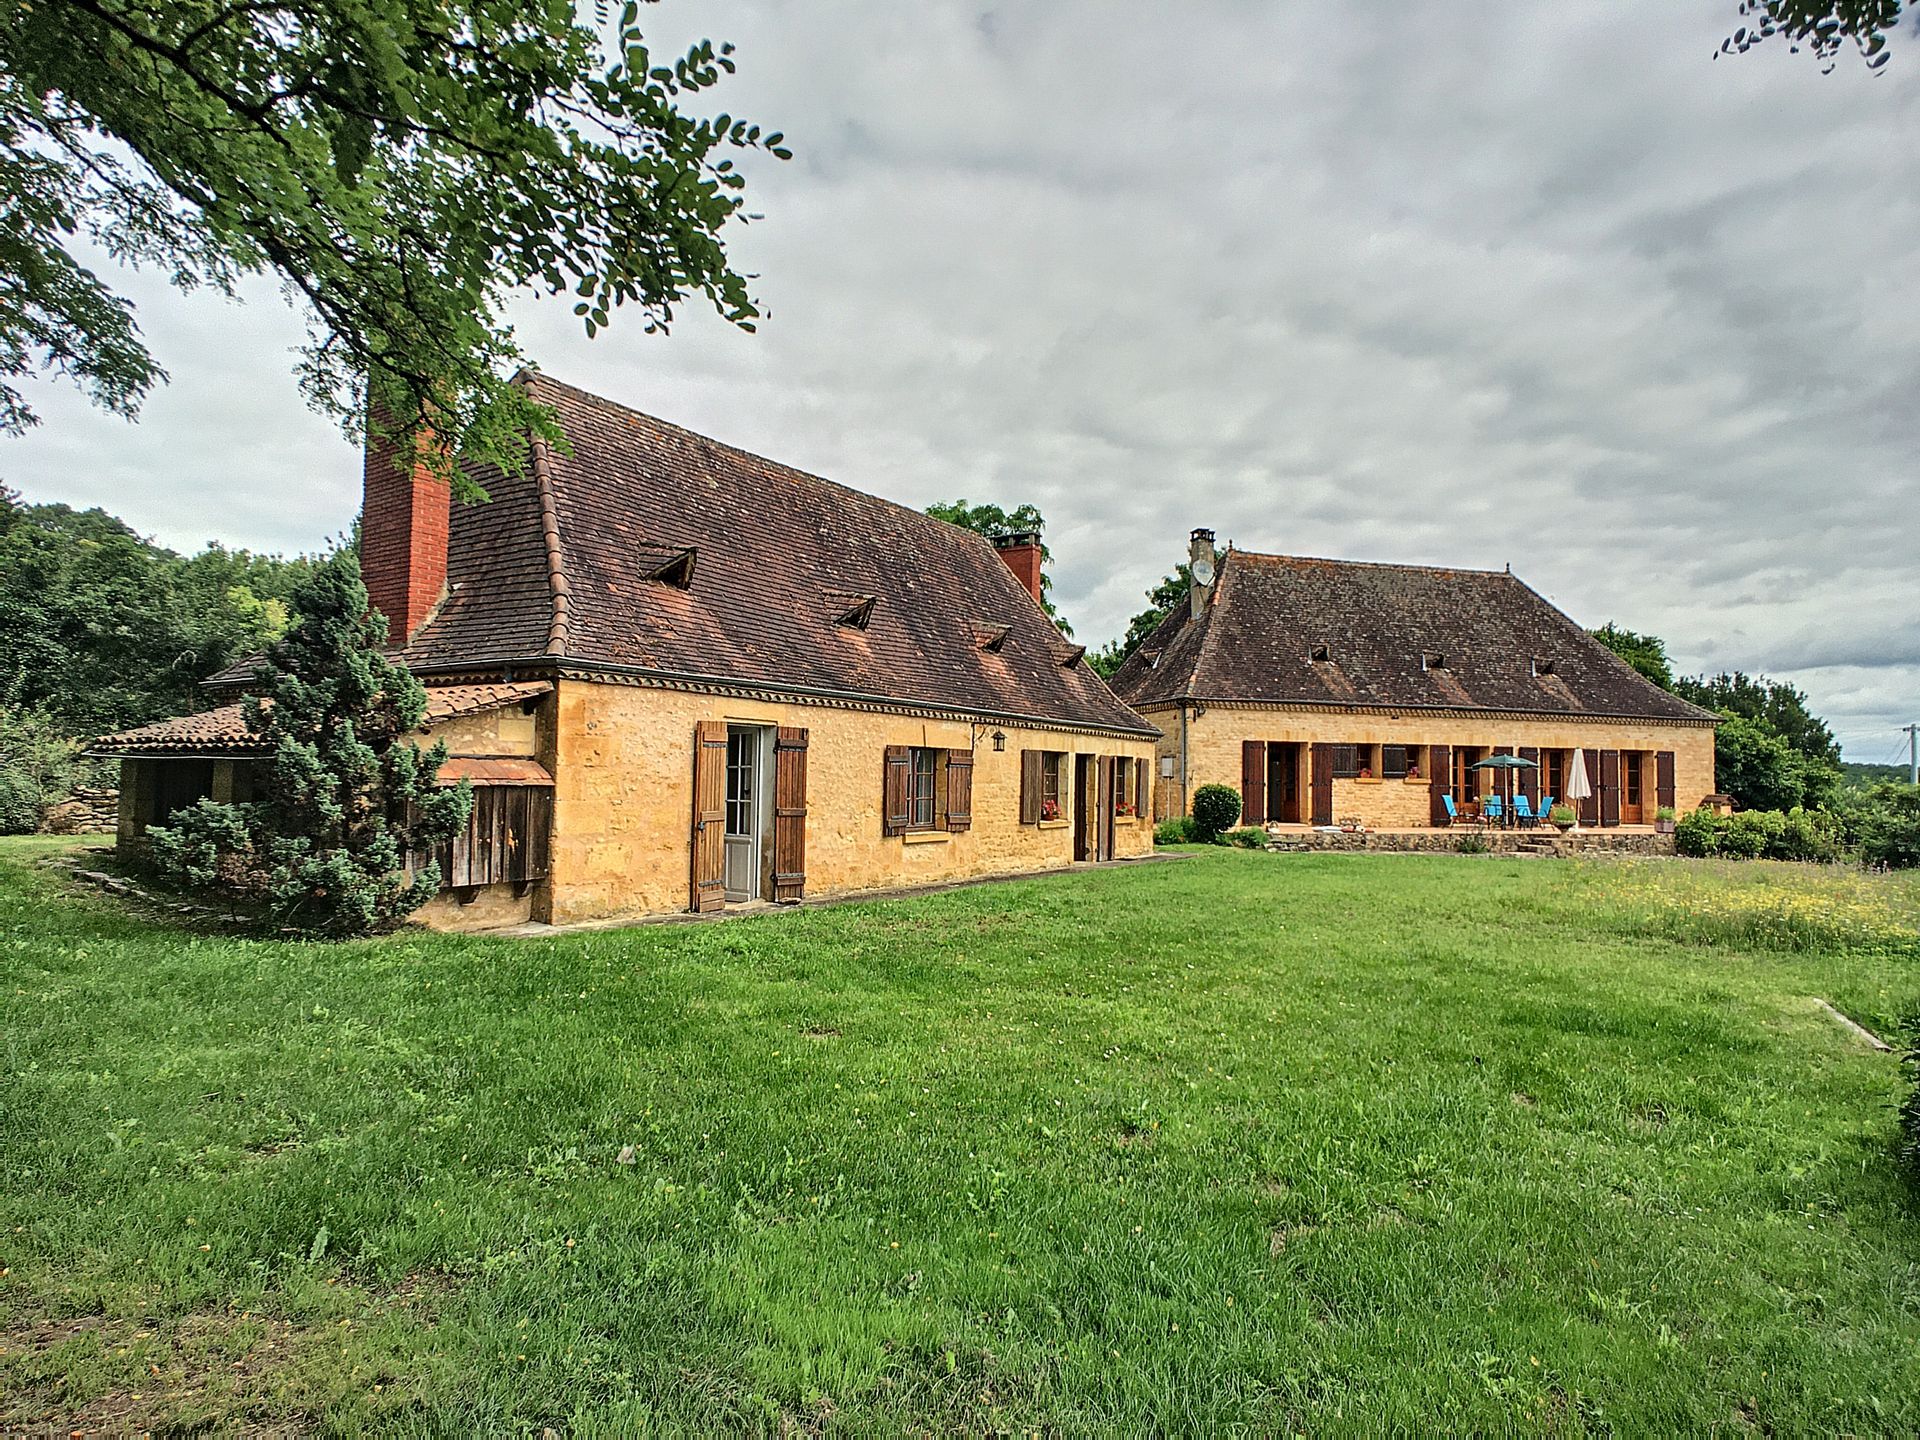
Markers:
point(1314, 1142)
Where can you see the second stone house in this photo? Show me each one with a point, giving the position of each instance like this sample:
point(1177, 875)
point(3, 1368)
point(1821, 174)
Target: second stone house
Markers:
point(1331, 692)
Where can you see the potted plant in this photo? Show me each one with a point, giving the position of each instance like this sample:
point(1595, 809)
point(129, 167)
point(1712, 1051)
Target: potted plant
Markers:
point(1049, 809)
point(1561, 818)
point(1663, 820)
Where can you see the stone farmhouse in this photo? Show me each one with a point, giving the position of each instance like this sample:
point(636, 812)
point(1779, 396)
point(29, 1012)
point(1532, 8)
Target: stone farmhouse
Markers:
point(679, 676)
point(1329, 691)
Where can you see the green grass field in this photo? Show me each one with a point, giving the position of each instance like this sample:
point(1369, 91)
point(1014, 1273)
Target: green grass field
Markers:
point(1313, 1142)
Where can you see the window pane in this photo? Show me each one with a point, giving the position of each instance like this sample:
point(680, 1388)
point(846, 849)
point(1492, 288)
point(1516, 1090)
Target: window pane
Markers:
point(923, 768)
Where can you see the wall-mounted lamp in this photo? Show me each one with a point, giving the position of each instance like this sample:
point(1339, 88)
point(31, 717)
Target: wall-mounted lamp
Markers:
point(999, 740)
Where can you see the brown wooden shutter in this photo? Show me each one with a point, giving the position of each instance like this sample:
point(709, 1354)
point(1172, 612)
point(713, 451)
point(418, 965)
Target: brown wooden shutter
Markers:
point(1439, 784)
point(1253, 782)
point(1030, 785)
point(709, 815)
point(1663, 778)
point(789, 814)
point(895, 790)
point(1609, 787)
point(1323, 784)
point(1142, 787)
point(1530, 779)
point(959, 789)
point(1103, 808)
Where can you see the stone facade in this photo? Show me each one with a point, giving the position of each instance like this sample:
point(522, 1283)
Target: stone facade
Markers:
point(622, 761)
point(1213, 739)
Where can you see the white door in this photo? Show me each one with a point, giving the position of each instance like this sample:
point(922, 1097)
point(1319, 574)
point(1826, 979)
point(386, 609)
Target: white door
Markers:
point(743, 814)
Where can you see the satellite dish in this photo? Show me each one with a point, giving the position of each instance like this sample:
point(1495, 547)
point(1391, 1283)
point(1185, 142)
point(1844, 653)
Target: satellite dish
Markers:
point(1202, 572)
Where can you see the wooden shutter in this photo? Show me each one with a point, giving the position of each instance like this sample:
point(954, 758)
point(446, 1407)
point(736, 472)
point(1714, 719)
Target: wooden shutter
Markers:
point(1030, 785)
point(896, 790)
point(1253, 782)
point(1530, 779)
point(1103, 808)
point(1663, 778)
point(789, 814)
point(959, 789)
point(1142, 783)
point(709, 891)
point(1323, 784)
point(1439, 784)
point(1609, 787)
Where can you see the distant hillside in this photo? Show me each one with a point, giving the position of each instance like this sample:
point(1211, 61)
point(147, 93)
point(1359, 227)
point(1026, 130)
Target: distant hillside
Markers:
point(1853, 772)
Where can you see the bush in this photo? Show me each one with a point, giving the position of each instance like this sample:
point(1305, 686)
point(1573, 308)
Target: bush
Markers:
point(1215, 808)
point(1251, 837)
point(1745, 836)
point(38, 766)
point(1471, 845)
point(1797, 834)
point(19, 803)
point(1177, 831)
point(1698, 834)
point(1890, 828)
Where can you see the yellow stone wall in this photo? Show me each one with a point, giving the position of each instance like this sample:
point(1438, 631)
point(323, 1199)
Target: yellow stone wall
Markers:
point(622, 761)
point(504, 731)
point(1214, 740)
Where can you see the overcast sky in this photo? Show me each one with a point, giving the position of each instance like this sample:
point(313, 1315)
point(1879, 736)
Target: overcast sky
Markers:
point(1456, 284)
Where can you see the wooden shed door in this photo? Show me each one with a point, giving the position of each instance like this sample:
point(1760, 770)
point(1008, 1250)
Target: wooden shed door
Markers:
point(1323, 784)
point(709, 815)
point(789, 814)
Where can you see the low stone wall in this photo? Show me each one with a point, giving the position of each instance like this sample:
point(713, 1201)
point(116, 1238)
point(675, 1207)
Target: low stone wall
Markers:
point(85, 812)
point(1498, 842)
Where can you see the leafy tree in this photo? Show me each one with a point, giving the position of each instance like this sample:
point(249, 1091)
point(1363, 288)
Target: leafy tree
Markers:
point(1823, 26)
point(1645, 653)
point(106, 629)
point(402, 165)
point(1762, 770)
point(345, 795)
point(1780, 706)
point(993, 522)
point(37, 766)
point(1161, 600)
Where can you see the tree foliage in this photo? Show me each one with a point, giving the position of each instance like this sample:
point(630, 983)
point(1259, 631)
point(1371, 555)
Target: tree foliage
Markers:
point(992, 521)
point(1781, 707)
point(1824, 27)
point(345, 795)
point(1645, 653)
point(402, 165)
point(1215, 808)
point(105, 629)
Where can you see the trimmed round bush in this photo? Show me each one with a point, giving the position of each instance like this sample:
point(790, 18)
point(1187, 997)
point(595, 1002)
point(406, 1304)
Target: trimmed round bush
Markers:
point(1215, 808)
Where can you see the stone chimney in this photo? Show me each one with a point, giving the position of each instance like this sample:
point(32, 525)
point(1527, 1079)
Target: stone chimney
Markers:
point(404, 515)
point(1021, 551)
point(1200, 565)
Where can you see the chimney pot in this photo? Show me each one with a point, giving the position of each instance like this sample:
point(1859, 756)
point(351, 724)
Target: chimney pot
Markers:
point(1021, 550)
point(405, 514)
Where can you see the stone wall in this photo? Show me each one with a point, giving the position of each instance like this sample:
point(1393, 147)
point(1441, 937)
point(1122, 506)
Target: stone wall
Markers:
point(1214, 738)
point(84, 812)
point(622, 761)
point(1498, 842)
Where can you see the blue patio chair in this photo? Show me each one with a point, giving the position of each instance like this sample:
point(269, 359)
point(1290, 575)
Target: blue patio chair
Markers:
point(1453, 815)
point(1493, 810)
point(1543, 810)
point(1523, 812)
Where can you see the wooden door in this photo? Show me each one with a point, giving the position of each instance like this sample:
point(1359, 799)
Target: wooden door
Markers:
point(1530, 779)
point(789, 814)
point(1323, 784)
point(1633, 777)
point(1085, 823)
point(1609, 787)
point(1283, 783)
point(709, 890)
point(1439, 778)
point(1253, 782)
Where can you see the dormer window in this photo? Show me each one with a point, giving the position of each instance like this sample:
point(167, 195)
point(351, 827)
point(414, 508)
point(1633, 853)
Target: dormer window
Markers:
point(1432, 660)
point(853, 611)
point(668, 564)
point(990, 637)
point(1542, 667)
point(1069, 655)
point(1320, 652)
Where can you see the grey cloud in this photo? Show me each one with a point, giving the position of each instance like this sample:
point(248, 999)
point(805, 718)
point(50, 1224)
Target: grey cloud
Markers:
point(1463, 284)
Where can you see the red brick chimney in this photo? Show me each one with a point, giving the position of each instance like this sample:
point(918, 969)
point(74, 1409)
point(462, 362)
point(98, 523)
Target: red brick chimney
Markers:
point(404, 515)
point(1021, 551)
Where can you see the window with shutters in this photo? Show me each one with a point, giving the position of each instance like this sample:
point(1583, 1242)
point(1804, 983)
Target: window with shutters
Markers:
point(923, 798)
point(1123, 785)
point(1052, 765)
point(1352, 762)
point(1399, 761)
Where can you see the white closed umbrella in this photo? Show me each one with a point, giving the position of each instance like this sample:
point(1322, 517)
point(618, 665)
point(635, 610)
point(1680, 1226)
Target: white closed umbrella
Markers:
point(1578, 786)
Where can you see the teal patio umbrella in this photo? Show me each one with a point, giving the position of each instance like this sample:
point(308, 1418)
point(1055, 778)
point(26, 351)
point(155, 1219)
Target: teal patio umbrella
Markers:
point(1504, 765)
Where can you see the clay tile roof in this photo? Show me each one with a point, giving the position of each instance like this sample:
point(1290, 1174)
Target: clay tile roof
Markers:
point(224, 731)
point(1482, 632)
point(493, 770)
point(565, 562)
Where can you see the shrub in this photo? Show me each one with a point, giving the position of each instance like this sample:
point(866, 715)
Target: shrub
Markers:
point(1698, 834)
point(1177, 831)
point(1890, 828)
point(1811, 835)
point(1250, 837)
point(1745, 837)
point(1471, 845)
point(19, 803)
point(1215, 808)
point(38, 766)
